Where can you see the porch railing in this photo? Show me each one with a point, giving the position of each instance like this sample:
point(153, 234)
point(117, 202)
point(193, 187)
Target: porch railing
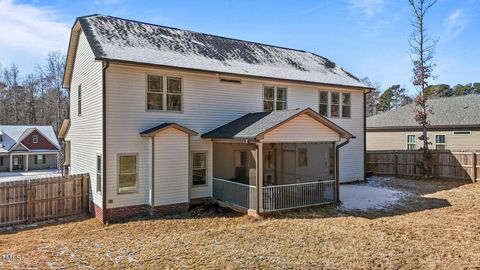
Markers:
point(298, 195)
point(235, 193)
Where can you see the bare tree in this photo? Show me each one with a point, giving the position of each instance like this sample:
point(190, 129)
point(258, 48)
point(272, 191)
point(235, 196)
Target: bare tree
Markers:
point(372, 97)
point(421, 52)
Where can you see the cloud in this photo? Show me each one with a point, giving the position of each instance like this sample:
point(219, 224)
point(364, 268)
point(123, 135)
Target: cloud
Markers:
point(367, 7)
point(29, 29)
point(455, 23)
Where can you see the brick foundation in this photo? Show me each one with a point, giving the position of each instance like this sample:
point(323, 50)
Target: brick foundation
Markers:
point(96, 211)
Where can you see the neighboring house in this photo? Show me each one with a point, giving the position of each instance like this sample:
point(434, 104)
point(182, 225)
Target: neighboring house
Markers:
point(161, 117)
point(455, 125)
point(24, 148)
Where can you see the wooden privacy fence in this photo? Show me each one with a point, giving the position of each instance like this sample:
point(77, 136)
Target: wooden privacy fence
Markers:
point(447, 164)
point(32, 200)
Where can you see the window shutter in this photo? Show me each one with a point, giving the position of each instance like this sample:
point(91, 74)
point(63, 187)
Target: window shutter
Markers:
point(43, 158)
point(36, 159)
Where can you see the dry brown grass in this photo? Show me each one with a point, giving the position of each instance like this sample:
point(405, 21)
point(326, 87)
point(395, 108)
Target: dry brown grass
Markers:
point(438, 227)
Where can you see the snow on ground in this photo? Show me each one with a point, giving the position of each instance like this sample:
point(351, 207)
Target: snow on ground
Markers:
point(366, 196)
point(12, 176)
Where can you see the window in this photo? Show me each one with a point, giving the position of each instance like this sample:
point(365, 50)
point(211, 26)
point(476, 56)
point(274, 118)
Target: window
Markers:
point(323, 106)
point(335, 104)
point(302, 157)
point(79, 100)
point(274, 98)
point(127, 174)
point(35, 138)
point(174, 94)
point(160, 100)
point(199, 174)
point(346, 111)
point(39, 159)
point(411, 142)
point(99, 173)
point(440, 142)
point(241, 165)
point(155, 93)
point(462, 133)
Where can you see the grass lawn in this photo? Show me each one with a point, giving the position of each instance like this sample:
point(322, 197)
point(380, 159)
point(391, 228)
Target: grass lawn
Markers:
point(435, 226)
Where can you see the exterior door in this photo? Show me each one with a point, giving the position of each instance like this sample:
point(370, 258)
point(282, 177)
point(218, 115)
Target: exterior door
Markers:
point(269, 167)
point(17, 162)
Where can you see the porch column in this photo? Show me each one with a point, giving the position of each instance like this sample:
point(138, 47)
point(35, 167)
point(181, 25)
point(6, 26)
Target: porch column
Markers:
point(11, 162)
point(26, 162)
point(259, 183)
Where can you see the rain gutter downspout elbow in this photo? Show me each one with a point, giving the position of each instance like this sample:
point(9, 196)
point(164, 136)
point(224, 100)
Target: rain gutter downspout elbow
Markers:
point(337, 170)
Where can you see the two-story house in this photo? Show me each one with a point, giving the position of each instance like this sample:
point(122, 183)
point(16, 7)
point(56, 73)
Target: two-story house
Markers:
point(161, 117)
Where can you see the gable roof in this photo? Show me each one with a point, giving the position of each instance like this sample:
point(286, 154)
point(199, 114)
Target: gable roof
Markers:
point(450, 112)
point(152, 131)
point(130, 41)
point(253, 125)
point(12, 135)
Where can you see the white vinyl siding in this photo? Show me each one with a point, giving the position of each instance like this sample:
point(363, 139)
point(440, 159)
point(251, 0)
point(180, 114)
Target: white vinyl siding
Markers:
point(85, 132)
point(207, 104)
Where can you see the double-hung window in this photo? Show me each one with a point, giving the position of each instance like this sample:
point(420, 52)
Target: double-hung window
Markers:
point(440, 142)
point(334, 104)
point(99, 173)
point(199, 173)
point(411, 142)
point(164, 93)
point(323, 104)
point(35, 138)
point(127, 173)
point(346, 109)
point(274, 98)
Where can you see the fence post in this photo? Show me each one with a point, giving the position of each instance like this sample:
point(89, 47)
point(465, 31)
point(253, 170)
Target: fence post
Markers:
point(474, 166)
point(85, 192)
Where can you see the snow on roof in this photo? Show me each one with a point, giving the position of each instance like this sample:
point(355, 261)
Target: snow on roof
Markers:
point(12, 134)
point(125, 40)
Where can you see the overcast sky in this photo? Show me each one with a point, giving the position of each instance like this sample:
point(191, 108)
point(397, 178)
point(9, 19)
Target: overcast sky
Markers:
point(369, 38)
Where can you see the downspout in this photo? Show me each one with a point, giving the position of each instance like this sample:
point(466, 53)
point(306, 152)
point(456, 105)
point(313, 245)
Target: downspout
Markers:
point(337, 169)
point(365, 134)
point(104, 148)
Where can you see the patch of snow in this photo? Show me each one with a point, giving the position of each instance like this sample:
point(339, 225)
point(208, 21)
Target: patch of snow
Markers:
point(364, 197)
point(21, 175)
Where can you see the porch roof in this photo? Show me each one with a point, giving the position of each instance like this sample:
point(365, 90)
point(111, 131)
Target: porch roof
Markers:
point(152, 131)
point(254, 125)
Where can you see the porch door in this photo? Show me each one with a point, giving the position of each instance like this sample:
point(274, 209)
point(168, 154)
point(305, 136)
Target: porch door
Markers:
point(269, 167)
point(17, 162)
point(289, 168)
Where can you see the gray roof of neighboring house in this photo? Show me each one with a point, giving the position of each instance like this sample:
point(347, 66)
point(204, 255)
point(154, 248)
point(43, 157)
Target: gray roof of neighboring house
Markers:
point(252, 125)
point(131, 41)
point(12, 134)
point(451, 111)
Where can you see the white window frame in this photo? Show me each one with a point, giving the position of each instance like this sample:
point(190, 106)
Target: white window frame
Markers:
point(79, 100)
point(415, 143)
point(205, 168)
point(164, 92)
point(118, 172)
point(35, 138)
point(445, 141)
point(275, 96)
point(331, 104)
point(467, 133)
point(349, 105)
point(322, 103)
point(99, 173)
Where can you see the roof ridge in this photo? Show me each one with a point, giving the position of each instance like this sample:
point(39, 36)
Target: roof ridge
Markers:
point(201, 33)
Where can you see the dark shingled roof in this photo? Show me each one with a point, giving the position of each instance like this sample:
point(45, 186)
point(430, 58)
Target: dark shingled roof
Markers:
point(119, 39)
point(451, 111)
point(152, 131)
point(252, 125)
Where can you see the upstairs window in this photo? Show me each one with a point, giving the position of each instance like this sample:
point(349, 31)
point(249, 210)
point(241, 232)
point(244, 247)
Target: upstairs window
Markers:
point(35, 138)
point(335, 104)
point(164, 93)
point(323, 104)
point(411, 142)
point(346, 109)
point(79, 100)
point(199, 173)
point(440, 142)
point(274, 98)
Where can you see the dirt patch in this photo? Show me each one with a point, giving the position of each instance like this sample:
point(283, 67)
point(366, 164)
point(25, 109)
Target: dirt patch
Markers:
point(409, 236)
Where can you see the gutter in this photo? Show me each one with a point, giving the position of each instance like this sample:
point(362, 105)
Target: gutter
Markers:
point(365, 134)
point(337, 170)
point(104, 146)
